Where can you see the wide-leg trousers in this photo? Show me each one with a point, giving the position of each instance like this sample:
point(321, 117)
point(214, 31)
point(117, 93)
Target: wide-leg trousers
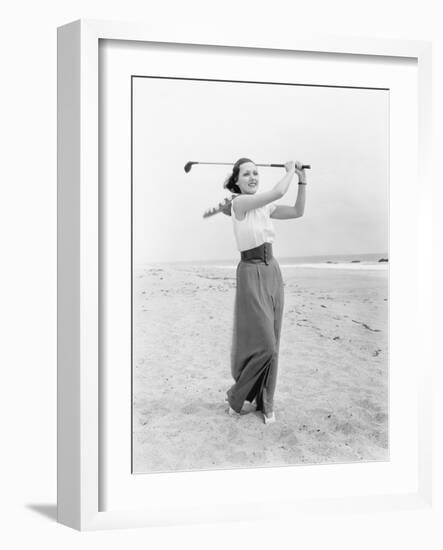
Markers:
point(258, 314)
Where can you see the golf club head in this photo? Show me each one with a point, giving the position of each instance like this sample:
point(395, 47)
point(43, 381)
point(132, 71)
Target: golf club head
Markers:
point(188, 166)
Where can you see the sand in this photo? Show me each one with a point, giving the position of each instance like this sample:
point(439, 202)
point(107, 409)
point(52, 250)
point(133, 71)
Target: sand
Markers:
point(331, 401)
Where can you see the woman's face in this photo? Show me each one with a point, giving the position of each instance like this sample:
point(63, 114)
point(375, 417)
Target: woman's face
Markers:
point(248, 178)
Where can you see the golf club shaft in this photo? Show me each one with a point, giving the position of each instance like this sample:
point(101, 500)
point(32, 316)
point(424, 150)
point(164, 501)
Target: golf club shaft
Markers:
point(304, 166)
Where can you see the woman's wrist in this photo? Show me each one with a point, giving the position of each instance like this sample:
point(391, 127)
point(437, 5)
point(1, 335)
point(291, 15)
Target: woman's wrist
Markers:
point(301, 177)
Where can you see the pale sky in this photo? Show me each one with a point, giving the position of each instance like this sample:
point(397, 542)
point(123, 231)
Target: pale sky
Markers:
point(343, 133)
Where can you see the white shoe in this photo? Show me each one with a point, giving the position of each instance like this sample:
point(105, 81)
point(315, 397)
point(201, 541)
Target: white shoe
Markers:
point(231, 412)
point(248, 407)
point(269, 419)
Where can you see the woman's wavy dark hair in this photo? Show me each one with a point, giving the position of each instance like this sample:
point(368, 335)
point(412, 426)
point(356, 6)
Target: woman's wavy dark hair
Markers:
point(231, 181)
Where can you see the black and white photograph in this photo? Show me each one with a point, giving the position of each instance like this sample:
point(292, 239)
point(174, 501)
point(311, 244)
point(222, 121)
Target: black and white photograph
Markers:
point(260, 274)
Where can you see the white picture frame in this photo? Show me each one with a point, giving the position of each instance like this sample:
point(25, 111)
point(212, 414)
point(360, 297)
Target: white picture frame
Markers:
point(79, 367)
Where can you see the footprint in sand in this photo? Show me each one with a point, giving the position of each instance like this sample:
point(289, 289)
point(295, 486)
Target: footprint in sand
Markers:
point(345, 428)
point(286, 432)
point(381, 417)
point(292, 441)
point(189, 409)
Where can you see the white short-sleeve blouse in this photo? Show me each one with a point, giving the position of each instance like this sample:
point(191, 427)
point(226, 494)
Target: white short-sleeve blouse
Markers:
point(255, 228)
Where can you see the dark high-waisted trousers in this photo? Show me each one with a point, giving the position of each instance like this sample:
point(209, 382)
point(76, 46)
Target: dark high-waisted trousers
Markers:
point(257, 325)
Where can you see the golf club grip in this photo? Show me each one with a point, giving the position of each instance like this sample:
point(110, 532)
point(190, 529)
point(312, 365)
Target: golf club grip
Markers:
point(304, 166)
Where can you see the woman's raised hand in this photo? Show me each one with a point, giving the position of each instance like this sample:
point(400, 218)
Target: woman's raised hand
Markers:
point(299, 171)
point(290, 166)
point(295, 167)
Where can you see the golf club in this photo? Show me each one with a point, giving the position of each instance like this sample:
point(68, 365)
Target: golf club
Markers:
point(189, 164)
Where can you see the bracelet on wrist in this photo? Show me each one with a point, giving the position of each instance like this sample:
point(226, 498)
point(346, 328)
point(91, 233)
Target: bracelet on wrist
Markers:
point(302, 183)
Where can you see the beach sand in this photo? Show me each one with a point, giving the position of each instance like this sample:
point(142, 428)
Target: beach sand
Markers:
point(331, 401)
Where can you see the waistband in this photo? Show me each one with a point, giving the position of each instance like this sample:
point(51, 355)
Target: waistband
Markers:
point(262, 253)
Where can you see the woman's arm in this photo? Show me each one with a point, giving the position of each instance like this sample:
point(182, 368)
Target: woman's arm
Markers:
point(243, 203)
point(284, 212)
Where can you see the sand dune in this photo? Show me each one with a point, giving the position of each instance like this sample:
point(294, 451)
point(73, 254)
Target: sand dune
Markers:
point(331, 401)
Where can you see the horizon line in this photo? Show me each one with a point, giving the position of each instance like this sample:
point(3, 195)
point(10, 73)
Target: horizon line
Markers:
point(280, 258)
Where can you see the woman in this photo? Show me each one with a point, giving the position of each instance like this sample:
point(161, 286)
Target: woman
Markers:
point(259, 294)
